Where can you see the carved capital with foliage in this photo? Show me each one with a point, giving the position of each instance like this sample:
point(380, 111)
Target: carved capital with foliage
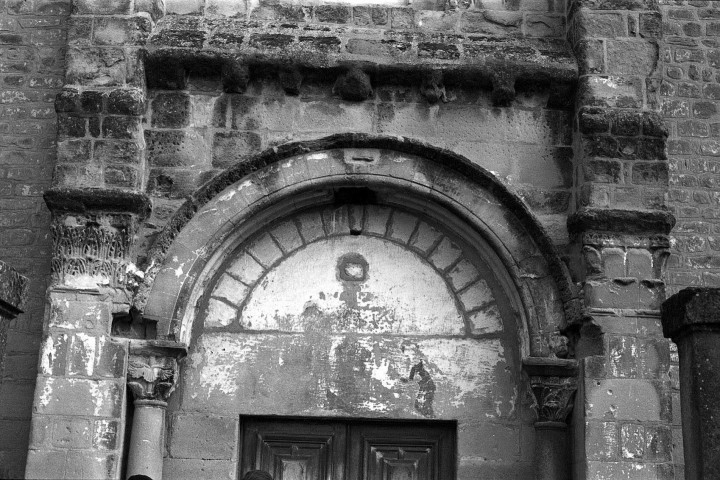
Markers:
point(553, 383)
point(554, 397)
point(151, 377)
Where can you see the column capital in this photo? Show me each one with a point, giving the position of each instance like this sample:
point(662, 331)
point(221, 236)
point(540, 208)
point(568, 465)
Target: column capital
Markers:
point(93, 231)
point(689, 309)
point(553, 382)
point(13, 290)
point(152, 369)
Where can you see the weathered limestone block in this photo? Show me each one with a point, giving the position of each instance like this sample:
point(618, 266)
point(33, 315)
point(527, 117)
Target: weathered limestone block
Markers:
point(99, 137)
point(80, 396)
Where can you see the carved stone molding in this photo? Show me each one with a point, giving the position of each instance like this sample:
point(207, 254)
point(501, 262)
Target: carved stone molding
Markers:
point(553, 382)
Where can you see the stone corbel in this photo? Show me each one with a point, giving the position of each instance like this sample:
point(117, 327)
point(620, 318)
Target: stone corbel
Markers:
point(553, 382)
point(432, 87)
point(503, 87)
point(235, 76)
point(151, 374)
point(354, 85)
point(291, 79)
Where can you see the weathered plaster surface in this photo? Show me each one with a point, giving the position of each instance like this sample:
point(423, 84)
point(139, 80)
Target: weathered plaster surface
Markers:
point(400, 294)
point(324, 374)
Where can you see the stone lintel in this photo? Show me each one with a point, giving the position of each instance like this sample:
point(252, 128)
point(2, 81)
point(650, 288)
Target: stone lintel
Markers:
point(691, 308)
point(633, 222)
point(13, 291)
point(91, 200)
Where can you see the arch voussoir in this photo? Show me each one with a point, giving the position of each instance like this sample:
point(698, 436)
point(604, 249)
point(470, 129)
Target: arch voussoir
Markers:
point(298, 175)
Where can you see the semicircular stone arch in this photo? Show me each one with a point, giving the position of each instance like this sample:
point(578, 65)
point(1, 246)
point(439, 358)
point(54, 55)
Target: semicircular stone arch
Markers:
point(397, 173)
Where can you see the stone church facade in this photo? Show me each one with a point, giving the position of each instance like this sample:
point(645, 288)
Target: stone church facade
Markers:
point(345, 239)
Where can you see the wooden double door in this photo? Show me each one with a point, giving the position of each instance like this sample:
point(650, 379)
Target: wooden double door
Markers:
point(301, 449)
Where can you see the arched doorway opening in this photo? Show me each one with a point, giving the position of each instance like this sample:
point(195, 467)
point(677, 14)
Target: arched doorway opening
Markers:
point(358, 282)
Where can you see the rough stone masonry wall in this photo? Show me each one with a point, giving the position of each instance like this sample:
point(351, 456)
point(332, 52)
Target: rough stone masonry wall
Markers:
point(690, 100)
point(192, 135)
point(32, 51)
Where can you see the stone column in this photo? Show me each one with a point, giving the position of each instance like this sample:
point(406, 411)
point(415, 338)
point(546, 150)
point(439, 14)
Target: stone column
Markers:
point(151, 378)
point(553, 382)
point(691, 318)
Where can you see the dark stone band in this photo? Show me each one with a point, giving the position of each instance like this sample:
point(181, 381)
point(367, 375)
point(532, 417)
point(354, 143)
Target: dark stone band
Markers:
point(82, 200)
point(621, 221)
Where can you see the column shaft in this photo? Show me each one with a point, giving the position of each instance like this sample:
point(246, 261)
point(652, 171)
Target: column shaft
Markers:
point(699, 387)
point(691, 318)
point(551, 451)
point(145, 456)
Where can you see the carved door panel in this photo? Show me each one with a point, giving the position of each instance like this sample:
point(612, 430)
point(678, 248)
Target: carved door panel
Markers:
point(295, 449)
point(350, 450)
point(402, 452)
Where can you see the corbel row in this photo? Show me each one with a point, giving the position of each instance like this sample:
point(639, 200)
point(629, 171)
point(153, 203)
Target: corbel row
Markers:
point(353, 83)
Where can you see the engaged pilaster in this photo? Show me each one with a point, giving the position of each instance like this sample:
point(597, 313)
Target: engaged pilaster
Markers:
point(79, 408)
point(625, 418)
